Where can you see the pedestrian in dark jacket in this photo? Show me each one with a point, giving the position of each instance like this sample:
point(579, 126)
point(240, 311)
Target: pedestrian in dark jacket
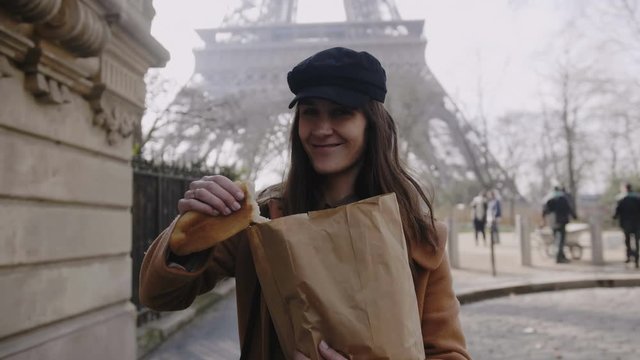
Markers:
point(628, 215)
point(494, 213)
point(559, 206)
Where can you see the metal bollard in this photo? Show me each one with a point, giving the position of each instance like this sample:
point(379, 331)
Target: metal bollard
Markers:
point(452, 243)
point(522, 232)
point(597, 257)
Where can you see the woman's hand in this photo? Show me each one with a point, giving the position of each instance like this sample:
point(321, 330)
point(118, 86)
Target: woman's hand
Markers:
point(326, 352)
point(212, 195)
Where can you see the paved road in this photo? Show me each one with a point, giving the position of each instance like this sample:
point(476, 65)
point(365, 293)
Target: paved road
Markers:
point(575, 324)
point(212, 336)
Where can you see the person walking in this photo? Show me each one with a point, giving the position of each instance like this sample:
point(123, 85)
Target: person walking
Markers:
point(494, 213)
point(561, 210)
point(479, 215)
point(628, 214)
point(344, 148)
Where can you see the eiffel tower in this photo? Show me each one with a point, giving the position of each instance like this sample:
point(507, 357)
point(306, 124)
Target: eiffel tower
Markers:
point(248, 57)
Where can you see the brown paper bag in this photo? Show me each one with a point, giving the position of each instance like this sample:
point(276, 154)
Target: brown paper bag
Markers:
point(340, 275)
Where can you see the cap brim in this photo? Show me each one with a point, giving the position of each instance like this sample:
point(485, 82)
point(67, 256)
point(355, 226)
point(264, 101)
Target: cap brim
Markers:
point(338, 95)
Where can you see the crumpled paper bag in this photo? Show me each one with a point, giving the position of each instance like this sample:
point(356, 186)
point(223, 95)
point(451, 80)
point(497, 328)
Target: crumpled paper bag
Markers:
point(340, 275)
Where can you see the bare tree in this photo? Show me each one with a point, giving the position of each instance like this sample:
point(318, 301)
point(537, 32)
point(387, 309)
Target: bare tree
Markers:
point(618, 24)
point(577, 87)
point(229, 130)
point(191, 127)
point(513, 138)
point(158, 98)
point(615, 28)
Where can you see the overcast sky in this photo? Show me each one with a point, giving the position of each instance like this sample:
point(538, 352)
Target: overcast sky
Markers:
point(491, 45)
point(504, 52)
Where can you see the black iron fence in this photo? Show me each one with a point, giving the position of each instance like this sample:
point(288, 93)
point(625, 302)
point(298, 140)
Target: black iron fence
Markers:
point(156, 191)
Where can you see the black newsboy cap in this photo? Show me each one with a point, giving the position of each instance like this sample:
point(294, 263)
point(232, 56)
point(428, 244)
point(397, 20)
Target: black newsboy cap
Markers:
point(341, 75)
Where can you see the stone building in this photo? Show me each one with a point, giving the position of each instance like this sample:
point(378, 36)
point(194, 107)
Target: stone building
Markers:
point(71, 93)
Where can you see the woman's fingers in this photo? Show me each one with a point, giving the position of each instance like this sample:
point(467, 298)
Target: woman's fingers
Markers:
point(185, 205)
point(328, 353)
point(216, 200)
point(219, 195)
point(226, 184)
point(221, 188)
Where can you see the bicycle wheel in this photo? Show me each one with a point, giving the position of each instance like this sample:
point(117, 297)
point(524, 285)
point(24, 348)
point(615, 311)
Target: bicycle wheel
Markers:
point(575, 251)
point(551, 250)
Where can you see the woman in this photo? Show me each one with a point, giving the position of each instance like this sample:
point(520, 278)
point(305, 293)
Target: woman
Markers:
point(343, 149)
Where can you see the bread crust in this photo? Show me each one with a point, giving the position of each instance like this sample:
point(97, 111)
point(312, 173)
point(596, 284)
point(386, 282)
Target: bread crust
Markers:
point(195, 231)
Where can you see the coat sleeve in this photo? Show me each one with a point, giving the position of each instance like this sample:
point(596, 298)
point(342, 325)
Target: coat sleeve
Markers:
point(441, 329)
point(616, 212)
point(573, 212)
point(164, 287)
point(546, 208)
point(438, 305)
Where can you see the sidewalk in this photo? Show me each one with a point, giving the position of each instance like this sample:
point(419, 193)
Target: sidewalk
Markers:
point(153, 334)
point(473, 281)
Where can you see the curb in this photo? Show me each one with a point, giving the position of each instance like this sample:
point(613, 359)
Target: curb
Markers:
point(471, 296)
point(154, 333)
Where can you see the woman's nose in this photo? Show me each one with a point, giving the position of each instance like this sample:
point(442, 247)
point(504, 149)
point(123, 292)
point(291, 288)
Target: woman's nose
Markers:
point(323, 126)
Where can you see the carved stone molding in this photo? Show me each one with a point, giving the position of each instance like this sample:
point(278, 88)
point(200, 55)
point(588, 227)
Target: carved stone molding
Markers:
point(78, 28)
point(98, 49)
point(121, 79)
point(14, 45)
point(49, 76)
point(6, 70)
point(71, 23)
point(47, 90)
point(36, 11)
point(114, 114)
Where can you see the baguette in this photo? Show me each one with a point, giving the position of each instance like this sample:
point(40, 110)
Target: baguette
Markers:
point(195, 231)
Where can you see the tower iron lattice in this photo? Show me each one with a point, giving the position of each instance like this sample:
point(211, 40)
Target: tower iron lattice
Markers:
point(248, 57)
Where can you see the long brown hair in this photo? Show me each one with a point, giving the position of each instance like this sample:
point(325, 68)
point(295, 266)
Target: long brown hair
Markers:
point(381, 173)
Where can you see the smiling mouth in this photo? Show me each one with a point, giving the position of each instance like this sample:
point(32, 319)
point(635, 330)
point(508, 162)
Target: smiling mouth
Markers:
point(325, 145)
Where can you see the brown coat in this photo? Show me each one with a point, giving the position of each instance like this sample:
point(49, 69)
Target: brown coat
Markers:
point(168, 288)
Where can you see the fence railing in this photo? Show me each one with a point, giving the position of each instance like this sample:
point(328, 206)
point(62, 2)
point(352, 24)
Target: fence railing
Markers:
point(156, 191)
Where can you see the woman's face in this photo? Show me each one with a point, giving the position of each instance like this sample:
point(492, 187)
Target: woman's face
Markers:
point(332, 135)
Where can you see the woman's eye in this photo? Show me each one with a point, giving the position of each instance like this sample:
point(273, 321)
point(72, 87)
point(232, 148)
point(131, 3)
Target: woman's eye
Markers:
point(309, 111)
point(342, 112)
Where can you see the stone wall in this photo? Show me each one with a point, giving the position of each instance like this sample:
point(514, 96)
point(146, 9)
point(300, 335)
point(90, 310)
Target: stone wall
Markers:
point(71, 92)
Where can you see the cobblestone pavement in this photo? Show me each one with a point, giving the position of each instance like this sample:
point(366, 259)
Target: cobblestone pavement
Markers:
point(600, 323)
point(587, 324)
point(212, 336)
